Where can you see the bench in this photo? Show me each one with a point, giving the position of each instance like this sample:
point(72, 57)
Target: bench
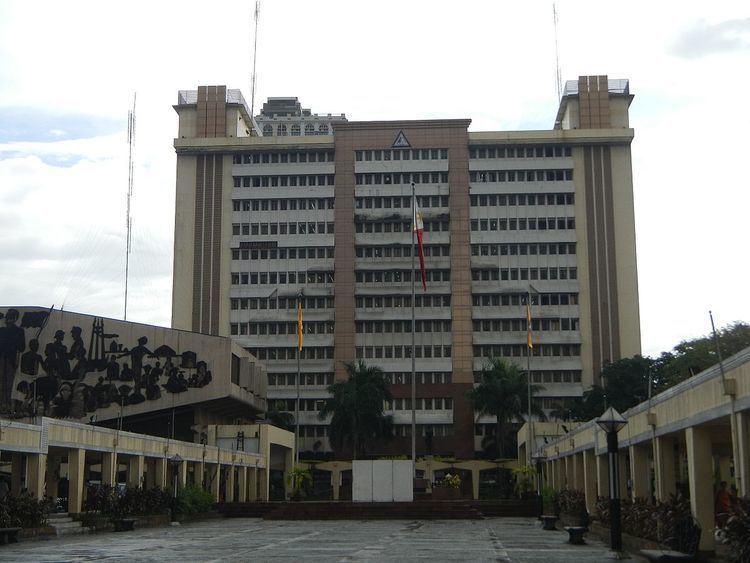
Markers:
point(9, 535)
point(549, 522)
point(575, 534)
point(124, 525)
point(683, 546)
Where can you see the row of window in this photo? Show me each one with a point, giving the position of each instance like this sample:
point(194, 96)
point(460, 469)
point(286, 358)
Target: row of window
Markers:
point(281, 278)
point(521, 350)
point(523, 249)
point(400, 202)
point(403, 178)
point(272, 303)
point(313, 430)
point(544, 151)
point(398, 226)
point(283, 204)
point(274, 328)
point(290, 352)
point(401, 251)
point(436, 430)
point(306, 379)
point(380, 302)
point(387, 352)
point(518, 325)
point(546, 376)
point(501, 200)
point(516, 299)
point(295, 130)
point(287, 157)
point(400, 276)
point(378, 327)
point(483, 176)
point(305, 405)
point(401, 154)
point(420, 404)
point(292, 253)
point(530, 224)
point(284, 181)
point(293, 228)
point(514, 274)
point(423, 377)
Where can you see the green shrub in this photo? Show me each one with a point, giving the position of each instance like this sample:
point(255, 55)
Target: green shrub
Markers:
point(738, 531)
point(642, 519)
point(24, 511)
point(193, 499)
point(107, 501)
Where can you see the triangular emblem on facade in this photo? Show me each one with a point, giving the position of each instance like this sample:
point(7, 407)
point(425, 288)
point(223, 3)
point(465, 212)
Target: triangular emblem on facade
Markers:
point(401, 141)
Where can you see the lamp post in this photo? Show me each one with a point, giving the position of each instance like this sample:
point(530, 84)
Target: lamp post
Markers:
point(175, 460)
point(611, 422)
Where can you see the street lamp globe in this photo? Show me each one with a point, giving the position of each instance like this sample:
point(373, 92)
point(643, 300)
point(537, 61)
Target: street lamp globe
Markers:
point(611, 421)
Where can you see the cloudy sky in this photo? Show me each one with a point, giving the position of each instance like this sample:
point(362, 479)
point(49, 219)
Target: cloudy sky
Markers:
point(68, 72)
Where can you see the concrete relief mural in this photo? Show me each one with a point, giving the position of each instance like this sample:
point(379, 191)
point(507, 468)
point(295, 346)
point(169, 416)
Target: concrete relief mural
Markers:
point(64, 375)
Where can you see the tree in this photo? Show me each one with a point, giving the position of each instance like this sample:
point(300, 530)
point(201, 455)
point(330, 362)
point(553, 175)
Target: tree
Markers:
point(626, 381)
point(356, 407)
point(502, 394)
point(691, 357)
point(278, 417)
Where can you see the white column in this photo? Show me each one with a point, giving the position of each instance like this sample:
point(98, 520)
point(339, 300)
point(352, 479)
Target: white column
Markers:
point(76, 470)
point(589, 479)
point(664, 468)
point(700, 465)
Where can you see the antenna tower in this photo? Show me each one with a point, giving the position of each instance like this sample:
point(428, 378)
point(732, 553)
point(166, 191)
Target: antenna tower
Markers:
point(256, 16)
point(558, 75)
point(128, 218)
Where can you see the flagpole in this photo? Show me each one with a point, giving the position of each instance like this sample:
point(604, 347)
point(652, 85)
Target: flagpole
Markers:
point(528, 374)
point(296, 403)
point(413, 329)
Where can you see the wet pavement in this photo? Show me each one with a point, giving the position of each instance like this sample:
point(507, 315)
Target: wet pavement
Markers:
point(243, 539)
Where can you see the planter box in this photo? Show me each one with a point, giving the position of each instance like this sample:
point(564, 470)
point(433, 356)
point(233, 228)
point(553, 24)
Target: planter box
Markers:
point(633, 544)
point(198, 516)
point(445, 493)
point(37, 533)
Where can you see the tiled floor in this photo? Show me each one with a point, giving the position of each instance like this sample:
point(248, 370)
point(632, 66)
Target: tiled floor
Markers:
point(494, 539)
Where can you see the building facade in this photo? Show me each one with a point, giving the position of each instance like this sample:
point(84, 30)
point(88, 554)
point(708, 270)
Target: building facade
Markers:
point(507, 214)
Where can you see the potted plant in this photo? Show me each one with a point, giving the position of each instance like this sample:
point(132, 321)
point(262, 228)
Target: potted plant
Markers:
point(525, 481)
point(447, 489)
point(299, 479)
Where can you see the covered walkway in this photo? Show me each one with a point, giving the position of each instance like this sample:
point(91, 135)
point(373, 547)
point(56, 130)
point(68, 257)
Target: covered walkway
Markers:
point(685, 440)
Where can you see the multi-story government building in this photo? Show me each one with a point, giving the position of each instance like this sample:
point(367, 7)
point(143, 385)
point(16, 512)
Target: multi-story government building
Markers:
point(265, 209)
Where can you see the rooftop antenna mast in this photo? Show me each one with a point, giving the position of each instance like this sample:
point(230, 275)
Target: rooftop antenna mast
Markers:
point(256, 16)
point(128, 218)
point(558, 74)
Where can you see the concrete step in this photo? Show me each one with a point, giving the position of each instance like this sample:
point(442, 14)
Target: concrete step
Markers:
point(58, 515)
point(72, 531)
point(65, 525)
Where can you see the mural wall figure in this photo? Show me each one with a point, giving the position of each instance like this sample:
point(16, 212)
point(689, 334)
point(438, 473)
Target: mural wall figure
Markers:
point(12, 344)
point(69, 380)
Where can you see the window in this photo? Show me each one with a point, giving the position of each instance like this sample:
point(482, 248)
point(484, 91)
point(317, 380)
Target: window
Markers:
point(267, 130)
point(281, 130)
point(309, 129)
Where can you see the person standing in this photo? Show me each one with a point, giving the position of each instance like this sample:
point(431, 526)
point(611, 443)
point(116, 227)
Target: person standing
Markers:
point(12, 343)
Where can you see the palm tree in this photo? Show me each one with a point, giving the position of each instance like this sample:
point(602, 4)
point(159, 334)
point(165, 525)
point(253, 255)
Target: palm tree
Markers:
point(502, 394)
point(356, 408)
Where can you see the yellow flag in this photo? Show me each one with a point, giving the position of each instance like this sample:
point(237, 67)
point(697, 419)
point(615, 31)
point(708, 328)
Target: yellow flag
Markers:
point(300, 331)
point(529, 342)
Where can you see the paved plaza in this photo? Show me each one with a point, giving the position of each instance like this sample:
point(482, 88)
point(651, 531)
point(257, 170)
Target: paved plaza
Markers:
point(494, 539)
